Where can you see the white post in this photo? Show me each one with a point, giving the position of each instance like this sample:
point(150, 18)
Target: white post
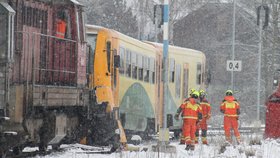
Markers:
point(259, 66)
point(233, 42)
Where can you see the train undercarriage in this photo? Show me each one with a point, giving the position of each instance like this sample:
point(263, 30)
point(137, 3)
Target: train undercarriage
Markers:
point(45, 124)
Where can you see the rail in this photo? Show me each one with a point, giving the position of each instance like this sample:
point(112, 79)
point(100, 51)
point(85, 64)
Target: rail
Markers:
point(213, 131)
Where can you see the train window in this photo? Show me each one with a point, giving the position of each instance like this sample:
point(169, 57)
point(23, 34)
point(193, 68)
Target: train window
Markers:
point(186, 81)
point(122, 54)
point(63, 24)
point(178, 81)
point(92, 42)
point(171, 70)
point(140, 67)
point(28, 16)
point(146, 69)
point(91, 39)
point(128, 64)
point(133, 64)
point(108, 51)
point(198, 73)
point(33, 17)
point(152, 70)
point(82, 24)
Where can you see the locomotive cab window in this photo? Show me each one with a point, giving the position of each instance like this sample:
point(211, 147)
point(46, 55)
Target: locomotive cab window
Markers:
point(198, 73)
point(63, 24)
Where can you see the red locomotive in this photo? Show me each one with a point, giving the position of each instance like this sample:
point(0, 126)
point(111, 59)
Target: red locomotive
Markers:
point(42, 73)
point(57, 88)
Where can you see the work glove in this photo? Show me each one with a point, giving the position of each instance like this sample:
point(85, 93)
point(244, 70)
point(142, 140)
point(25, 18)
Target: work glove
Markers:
point(176, 117)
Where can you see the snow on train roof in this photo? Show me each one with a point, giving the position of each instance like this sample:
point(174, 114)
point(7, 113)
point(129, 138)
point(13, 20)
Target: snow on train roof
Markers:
point(179, 50)
point(174, 49)
point(94, 29)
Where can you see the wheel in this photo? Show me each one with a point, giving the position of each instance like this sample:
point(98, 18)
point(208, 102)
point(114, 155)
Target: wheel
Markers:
point(56, 146)
point(43, 147)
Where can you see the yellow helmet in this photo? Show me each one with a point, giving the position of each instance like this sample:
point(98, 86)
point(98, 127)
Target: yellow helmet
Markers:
point(229, 92)
point(192, 90)
point(202, 92)
point(195, 94)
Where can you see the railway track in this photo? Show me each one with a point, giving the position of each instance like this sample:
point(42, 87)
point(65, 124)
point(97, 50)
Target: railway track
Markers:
point(84, 149)
point(243, 130)
point(89, 150)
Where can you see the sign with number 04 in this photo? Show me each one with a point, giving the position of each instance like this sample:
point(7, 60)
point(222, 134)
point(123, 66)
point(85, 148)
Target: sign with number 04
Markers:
point(234, 65)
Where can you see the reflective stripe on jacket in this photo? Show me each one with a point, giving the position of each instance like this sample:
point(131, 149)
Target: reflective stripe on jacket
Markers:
point(190, 110)
point(230, 107)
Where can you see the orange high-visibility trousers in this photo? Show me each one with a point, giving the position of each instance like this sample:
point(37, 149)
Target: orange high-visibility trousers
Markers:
point(203, 126)
point(231, 122)
point(189, 130)
point(183, 139)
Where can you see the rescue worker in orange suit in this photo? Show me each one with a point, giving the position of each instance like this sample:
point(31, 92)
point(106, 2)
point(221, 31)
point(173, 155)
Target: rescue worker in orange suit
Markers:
point(206, 114)
point(60, 25)
point(182, 139)
point(191, 115)
point(231, 110)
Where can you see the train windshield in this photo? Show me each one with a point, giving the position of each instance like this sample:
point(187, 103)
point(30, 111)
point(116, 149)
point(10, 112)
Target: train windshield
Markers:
point(91, 39)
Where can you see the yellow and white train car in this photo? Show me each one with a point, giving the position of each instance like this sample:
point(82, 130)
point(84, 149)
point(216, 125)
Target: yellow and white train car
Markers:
point(125, 80)
point(186, 71)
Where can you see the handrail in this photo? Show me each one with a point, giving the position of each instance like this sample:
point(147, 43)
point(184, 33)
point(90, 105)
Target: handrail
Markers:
point(36, 33)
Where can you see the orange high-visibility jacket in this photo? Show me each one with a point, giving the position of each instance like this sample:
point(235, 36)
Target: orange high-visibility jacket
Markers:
point(230, 107)
point(190, 109)
point(206, 108)
point(61, 28)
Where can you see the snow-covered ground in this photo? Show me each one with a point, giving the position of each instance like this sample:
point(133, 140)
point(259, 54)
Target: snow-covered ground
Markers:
point(267, 149)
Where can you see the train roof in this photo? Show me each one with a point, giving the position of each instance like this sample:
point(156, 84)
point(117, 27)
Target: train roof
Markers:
point(178, 50)
point(93, 29)
point(147, 44)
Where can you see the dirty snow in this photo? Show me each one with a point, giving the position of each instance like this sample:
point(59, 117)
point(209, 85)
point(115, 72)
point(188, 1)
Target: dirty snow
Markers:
point(267, 149)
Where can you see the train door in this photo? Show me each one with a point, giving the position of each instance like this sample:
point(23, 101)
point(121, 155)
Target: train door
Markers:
point(185, 80)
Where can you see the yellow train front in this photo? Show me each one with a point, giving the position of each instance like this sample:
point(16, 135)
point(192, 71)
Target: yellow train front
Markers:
point(126, 81)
